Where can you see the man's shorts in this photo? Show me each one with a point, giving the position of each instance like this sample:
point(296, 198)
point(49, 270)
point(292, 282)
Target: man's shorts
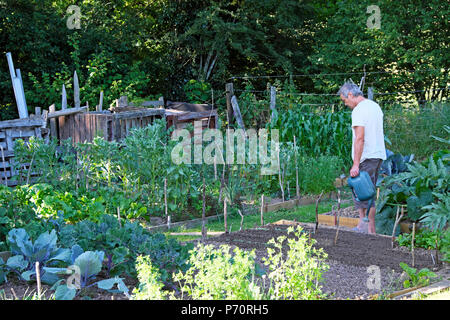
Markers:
point(372, 167)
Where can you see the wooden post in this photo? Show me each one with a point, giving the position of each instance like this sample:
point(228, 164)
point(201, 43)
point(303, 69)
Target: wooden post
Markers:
point(122, 102)
point(370, 93)
point(100, 102)
point(273, 95)
point(237, 112)
point(76, 91)
point(63, 98)
point(53, 129)
point(229, 93)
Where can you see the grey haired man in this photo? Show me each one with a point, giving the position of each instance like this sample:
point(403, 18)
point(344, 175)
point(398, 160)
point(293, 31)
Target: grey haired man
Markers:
point(368, 149)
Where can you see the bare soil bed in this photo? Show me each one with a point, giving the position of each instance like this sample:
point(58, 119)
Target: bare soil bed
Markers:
point(349, 259)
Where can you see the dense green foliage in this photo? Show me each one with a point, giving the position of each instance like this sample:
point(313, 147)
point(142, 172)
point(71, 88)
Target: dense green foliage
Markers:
point(153, 48)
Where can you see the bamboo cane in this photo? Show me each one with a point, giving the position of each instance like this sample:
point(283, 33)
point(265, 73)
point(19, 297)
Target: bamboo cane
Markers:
point(412, 243)
point(317, 212)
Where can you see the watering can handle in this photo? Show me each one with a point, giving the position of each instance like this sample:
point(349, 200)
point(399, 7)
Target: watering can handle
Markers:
point(354, 194)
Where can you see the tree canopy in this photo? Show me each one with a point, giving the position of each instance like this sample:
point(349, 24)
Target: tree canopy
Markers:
point(148, 48)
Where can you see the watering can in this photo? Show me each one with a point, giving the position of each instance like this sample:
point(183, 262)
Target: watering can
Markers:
point(363, 189)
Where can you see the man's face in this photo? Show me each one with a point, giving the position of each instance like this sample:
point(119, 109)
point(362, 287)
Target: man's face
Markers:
point(349, 101)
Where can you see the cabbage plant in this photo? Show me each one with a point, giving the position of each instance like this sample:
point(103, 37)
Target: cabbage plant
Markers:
point(25, 254)
point(86, 266)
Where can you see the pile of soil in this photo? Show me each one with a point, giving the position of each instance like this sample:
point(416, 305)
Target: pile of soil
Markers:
point(349, 259)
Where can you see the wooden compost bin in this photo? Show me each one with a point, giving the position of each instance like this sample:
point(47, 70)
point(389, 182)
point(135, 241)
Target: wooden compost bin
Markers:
point(84, 127)
point(10, 131)
point(180, 119)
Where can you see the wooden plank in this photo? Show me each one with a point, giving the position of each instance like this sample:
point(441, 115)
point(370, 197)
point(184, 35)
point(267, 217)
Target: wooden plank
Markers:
point(9, 140)
point(123, 129)
point(28, 122)
point(135, 114)
point(59, 113)
point(22, 132)
point(75, 131)
point(281, 205)
point(82, 119)
point(157, 103)
point(197, 233)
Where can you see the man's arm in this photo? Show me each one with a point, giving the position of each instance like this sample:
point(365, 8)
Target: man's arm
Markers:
point(357, 149)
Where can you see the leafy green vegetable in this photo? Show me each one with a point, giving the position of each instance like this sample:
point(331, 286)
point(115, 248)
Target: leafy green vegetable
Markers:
point(26, 253)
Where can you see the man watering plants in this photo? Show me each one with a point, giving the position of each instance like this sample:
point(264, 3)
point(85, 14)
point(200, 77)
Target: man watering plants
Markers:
point(368, 150)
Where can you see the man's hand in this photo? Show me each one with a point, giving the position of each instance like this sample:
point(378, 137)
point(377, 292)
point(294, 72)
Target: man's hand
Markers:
point(354, 171)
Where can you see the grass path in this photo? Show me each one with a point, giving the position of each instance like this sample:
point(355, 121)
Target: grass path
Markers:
point(302, 214)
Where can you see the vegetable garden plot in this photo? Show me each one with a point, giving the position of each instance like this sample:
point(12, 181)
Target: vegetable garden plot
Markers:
point(349, 259)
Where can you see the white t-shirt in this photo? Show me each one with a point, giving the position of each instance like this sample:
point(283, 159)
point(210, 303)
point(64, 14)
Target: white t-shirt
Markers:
point(369, 115)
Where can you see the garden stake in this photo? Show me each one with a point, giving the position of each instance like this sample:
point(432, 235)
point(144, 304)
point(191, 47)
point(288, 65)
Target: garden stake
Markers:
point(242, 219)
point(14, 294)
point(118, 216)
point(297, 189)
point(412, 243)
point(317, 212)
point(437, 252)
point(203, 212)
point(30, 167)
point(262, 209)
point(38, 279)
point(338, 216)
point(165, 202)
point(225, 213)
point(279, 174)
point(397, 220)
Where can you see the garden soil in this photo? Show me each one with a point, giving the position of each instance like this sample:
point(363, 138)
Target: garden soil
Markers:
point(352, 260)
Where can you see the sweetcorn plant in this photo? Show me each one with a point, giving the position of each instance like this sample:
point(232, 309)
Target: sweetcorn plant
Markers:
point(296, 274)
